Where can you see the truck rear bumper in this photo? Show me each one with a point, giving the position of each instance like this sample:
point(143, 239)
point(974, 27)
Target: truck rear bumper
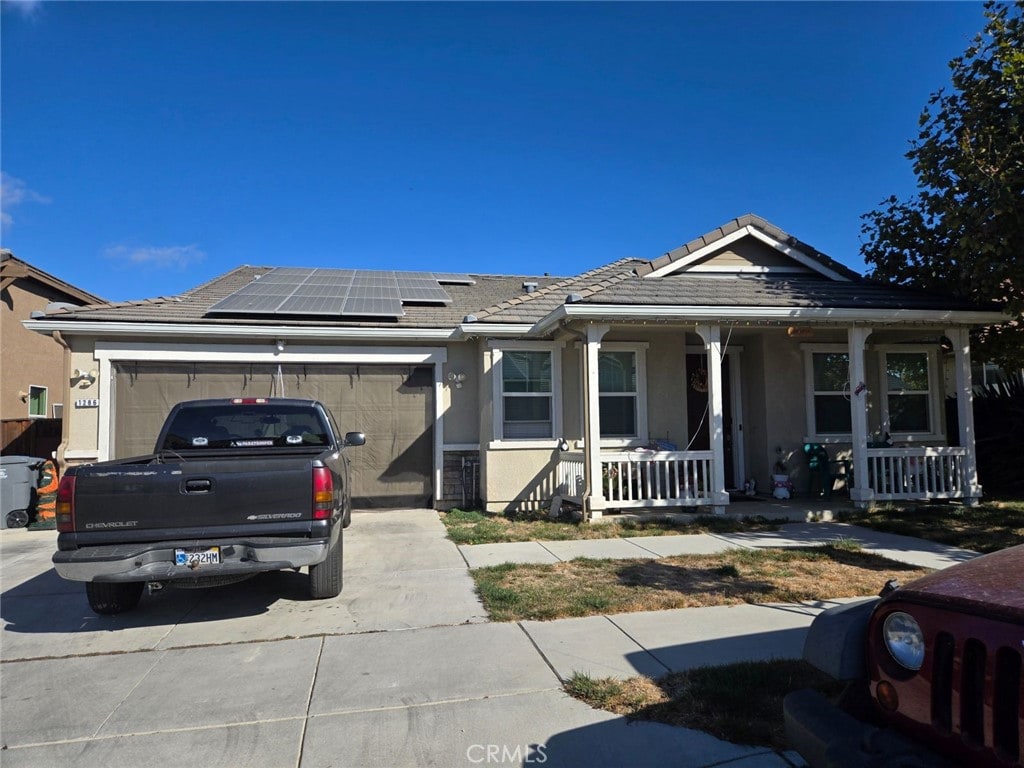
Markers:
point(156, 561)
point(827, 737)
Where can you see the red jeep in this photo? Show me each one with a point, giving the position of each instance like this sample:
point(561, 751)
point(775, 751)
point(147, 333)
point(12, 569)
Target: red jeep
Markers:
point(934, 673)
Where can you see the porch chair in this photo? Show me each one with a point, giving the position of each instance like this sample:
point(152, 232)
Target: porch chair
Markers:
point(825, 469)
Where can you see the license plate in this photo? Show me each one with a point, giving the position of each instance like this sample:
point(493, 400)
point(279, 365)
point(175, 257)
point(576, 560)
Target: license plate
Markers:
point(193, 558)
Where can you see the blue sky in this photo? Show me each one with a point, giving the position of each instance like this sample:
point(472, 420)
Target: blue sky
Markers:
point(149, 147)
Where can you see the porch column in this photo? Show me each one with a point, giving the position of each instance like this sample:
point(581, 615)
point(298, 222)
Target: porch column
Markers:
point(593, 501)
point(861, 494)
point(712, 336)
point(961, 340)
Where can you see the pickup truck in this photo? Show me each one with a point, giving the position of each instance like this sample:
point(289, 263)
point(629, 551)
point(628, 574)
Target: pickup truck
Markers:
point(933, 673)
point(233, 487)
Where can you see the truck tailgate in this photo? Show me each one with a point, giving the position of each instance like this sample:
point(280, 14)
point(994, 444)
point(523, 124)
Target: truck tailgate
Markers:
point(196, 493)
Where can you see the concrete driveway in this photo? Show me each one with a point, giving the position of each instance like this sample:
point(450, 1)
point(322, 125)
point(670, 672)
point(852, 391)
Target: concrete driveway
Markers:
point(402, 669)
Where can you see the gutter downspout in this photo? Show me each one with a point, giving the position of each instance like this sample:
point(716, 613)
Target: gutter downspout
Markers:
point(65, 417)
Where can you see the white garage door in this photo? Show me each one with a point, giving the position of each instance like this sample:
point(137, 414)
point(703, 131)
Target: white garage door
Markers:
point(393, 405)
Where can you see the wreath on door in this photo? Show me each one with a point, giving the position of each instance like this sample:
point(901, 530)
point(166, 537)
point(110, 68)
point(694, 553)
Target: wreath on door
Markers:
point(699, 380)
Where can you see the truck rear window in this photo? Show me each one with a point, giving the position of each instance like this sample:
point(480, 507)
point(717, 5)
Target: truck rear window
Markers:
point(246, 426)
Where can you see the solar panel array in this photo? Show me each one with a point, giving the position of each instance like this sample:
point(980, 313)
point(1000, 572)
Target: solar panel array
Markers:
point(338, 292)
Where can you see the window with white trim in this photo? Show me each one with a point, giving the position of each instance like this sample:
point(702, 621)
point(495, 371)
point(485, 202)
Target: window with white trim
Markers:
point(622, 391)
point(829, 379)
point(909, 392)
point(37, 401)
point(527, 394)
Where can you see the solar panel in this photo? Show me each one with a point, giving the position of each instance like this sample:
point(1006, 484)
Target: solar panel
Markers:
point(373, 306)
point(424, 290)
point(338, 292)
point(451, 278)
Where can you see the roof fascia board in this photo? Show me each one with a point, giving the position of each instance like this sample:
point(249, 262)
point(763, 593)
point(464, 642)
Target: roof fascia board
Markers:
point(777, 314)
point(496, 330)
point(797, 255)
point(102, 328)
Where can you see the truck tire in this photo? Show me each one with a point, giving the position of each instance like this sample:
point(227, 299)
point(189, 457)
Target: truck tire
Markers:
point(108, 598)
point(325, 577)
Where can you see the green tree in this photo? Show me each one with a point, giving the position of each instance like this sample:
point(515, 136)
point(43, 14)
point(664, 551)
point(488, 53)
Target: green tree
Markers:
point(963, 231)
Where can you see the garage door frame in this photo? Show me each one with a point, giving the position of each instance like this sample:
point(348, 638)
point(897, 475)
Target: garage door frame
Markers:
point(110, 352)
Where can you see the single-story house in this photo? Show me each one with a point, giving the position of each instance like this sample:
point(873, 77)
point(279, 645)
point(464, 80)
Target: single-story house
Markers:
point(640, 384)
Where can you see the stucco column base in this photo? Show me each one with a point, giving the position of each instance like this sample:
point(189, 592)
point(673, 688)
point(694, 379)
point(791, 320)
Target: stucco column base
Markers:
point(862, 498)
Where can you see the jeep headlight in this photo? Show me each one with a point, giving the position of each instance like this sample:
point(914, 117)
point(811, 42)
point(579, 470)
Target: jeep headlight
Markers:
point(904, 639)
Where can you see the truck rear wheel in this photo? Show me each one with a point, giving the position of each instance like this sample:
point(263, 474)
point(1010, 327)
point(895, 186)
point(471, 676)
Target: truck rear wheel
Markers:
point(110, 597)
point(325, 577)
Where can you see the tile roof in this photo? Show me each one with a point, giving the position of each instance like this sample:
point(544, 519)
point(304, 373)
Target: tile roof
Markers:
point(755, 222)
point(503, 299)
point(192, 306)
point(695, 289)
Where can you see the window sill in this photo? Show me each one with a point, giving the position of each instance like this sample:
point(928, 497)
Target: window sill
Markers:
point(523, 445)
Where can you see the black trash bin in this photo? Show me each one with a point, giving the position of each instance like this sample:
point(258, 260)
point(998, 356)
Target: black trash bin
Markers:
point(18, 478)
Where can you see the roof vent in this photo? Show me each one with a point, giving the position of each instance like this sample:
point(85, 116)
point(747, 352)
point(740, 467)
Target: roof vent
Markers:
point(469, 319)
point(529, 286)
point(573, 298)
point(57, 306)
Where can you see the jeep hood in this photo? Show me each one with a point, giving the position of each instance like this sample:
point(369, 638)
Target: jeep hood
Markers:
point(991, 585)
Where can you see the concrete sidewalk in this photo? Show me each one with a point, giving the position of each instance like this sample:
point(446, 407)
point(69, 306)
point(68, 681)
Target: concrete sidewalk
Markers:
point(903, 549)
point(402, 669)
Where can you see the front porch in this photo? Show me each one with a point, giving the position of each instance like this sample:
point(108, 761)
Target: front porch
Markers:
point(660, 480)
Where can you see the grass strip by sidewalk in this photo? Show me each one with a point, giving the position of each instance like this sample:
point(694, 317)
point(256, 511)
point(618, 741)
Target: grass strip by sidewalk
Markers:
point(585, 587)
point(472, 527)
point(991, 526)
point(741, 703)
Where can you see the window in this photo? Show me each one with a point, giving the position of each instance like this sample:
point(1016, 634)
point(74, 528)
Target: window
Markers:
point(908, 391)
point(527, 394)
point(830, 373)
point(37, 401)
point(617, 383)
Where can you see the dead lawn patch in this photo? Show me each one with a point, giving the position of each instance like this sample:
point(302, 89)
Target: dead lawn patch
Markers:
point(741, 703)
point(474, 527)
point(990, 526)
point(587, 587)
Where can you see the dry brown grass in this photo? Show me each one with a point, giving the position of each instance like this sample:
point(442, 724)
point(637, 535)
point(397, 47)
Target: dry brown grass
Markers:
point(738, 702)
point(589, 587)
point(991, 526)
point(473, 527)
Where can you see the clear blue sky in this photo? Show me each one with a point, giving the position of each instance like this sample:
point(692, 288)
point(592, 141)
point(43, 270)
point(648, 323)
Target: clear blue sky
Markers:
point(149, 147)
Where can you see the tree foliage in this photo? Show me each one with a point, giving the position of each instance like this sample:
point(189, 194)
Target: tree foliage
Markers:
point(963, 231)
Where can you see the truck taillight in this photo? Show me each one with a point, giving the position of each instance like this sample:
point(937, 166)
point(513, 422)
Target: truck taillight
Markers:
point(249, 401)
point(323, 493)
point(66, 504)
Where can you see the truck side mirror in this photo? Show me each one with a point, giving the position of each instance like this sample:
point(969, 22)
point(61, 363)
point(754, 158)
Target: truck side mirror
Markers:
point(355, 438)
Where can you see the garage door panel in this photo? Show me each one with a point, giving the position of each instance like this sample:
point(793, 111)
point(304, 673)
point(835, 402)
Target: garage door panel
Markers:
point(393, 405)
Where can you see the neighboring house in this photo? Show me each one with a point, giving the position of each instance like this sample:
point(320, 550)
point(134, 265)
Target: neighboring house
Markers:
point(720, 357)
point(33, 384)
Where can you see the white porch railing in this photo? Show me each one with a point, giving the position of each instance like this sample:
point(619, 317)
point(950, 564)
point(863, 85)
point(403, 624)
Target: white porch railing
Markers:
point(916, 473)
point(642, 479)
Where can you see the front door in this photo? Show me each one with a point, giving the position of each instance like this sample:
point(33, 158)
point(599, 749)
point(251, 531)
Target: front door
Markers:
point(698, 416)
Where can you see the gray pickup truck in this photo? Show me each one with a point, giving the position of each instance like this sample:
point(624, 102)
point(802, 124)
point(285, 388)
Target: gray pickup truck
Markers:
point(233, 488)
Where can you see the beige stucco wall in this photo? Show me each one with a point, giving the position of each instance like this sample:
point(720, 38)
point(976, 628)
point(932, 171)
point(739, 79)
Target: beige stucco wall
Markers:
point(28, 359)
point(519, 479)
point(462, 404)
point(666, 387)
point(81, 425)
